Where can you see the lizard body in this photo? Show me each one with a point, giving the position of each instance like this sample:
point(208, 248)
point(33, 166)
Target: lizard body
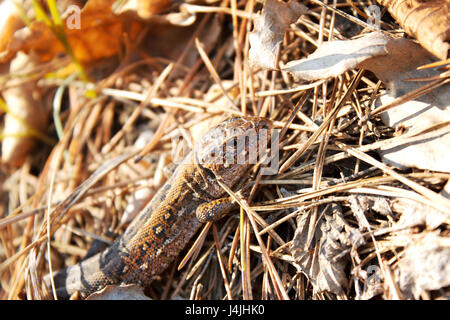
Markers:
point(191, 196)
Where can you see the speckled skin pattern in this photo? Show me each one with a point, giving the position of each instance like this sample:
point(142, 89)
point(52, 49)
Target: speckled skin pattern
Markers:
point(191, 197)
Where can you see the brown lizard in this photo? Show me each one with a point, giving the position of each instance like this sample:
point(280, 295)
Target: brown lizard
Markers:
point(162, 229)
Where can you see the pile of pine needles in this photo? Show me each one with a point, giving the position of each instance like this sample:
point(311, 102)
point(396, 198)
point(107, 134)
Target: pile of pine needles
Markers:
point(331, 224)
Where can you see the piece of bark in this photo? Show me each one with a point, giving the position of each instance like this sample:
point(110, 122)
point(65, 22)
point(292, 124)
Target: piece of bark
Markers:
point(268, 32)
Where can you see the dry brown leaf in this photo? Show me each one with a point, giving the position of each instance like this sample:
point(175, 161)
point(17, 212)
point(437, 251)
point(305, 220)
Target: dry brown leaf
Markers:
point(428, 21)
point(269, 29)
point(424, 265)
point(325, 260)
point(26, 111)
point(101, 31)
point(10, 22)
point(100, 35)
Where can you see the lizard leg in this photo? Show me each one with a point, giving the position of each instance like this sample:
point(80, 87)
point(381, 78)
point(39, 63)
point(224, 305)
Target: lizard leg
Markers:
point(215, 209)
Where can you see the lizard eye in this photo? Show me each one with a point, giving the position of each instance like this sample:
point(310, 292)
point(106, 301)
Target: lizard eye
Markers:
point(209, 173)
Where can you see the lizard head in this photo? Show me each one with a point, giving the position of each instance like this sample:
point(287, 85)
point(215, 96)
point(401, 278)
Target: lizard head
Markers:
point(227, 151)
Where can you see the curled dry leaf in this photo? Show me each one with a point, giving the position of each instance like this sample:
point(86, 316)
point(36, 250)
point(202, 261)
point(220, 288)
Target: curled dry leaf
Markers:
point(324, 261)
point(10, 22)
point(393, 61)
point(424, 265)
point(428, 21)
point(333, 58)
point(26, 111)
point(269, 29)
point(96, 33)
